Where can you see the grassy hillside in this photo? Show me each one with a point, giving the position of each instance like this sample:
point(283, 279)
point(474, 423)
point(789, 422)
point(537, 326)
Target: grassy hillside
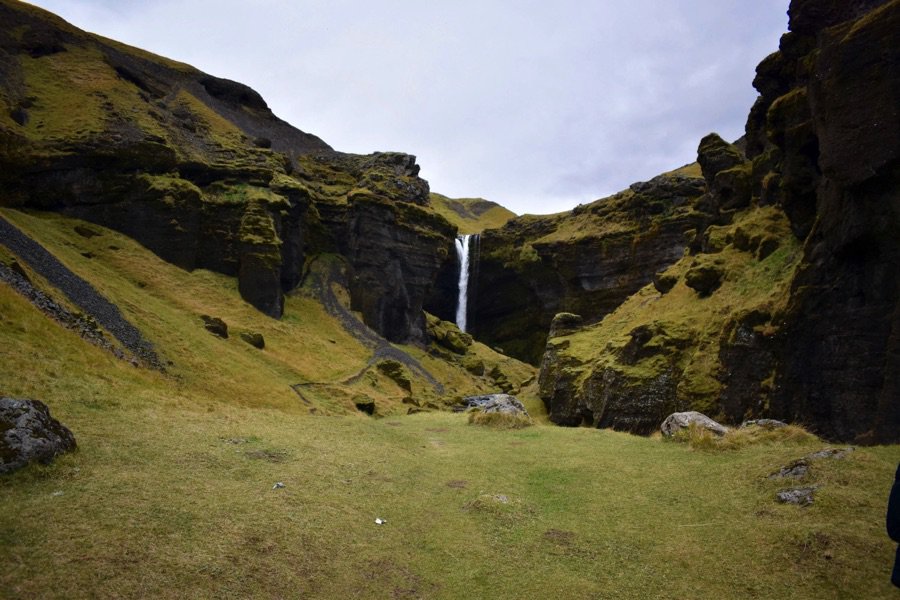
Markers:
point(670, 334)
point(171, 495)
point(307, 346)
point(470, 215)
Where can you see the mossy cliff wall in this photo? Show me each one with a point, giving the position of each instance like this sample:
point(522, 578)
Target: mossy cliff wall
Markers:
point(786, 306)
point(200, 171)
point(587, 261)
point(831, 97)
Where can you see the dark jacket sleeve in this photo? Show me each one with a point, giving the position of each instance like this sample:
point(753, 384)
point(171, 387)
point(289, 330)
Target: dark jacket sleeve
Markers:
point(893, 511)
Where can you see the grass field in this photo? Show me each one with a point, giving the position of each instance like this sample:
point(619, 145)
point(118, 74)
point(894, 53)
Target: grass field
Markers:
point(171, 492)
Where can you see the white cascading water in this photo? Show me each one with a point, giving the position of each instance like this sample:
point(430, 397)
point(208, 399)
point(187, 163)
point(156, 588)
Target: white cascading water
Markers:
point(462, 253)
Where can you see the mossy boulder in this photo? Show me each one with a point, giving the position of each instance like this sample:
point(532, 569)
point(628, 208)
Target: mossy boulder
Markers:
point(704, 279)
point(678, 422)
point(397, 372)
point(448, 335)
point(473, 365)
point(664, 282)
point(254, 339)
point(215, 326)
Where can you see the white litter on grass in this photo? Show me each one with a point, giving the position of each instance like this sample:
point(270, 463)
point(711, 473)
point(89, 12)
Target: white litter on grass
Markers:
point(380, 521)
point(278, 485)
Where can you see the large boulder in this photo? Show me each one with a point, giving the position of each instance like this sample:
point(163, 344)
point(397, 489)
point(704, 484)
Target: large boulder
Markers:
point(28, 433)
point(495, 403)
point(683, 420)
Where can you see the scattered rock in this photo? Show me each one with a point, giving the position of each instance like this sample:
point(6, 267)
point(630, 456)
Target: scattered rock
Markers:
point(800, 467)
point(704, 279)
point(799, 496)
point(215, 326)
point(764, 423)
point(254, 339)
point(682, 420)
point(28, 433)
point(473, 365)
point(448, 335)
point(797, 469)
point(836, 453)
point(86, 232)
point(664, 282)
point(494, 403)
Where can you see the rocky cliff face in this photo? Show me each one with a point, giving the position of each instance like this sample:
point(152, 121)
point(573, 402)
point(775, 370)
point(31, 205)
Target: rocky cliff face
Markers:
point(830, 96)
point(788, 306)
point(586, 262)
point(200, 171)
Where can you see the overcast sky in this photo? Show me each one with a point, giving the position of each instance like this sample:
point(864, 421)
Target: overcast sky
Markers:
point(536, 105)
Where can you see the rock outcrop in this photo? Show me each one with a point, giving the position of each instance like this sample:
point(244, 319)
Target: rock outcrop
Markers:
point(786, 305)
point(833, 124)
point(29, 434)
point(680, 421)
point(393, 242)
point(585, 262)
point(200, 171)
point(495, 403)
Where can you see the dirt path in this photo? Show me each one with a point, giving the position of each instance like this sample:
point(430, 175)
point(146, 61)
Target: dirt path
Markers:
point(381, 348)
point(79, 291)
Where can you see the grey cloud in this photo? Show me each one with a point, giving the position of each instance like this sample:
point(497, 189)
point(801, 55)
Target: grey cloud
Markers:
point(535, 105)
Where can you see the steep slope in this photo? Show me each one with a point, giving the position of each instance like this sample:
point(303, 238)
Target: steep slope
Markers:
point(789, 308)
point(830, 96)
point(319, 358)
point(200, 171)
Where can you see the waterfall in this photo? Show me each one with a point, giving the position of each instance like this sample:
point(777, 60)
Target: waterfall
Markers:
point(464, 256)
